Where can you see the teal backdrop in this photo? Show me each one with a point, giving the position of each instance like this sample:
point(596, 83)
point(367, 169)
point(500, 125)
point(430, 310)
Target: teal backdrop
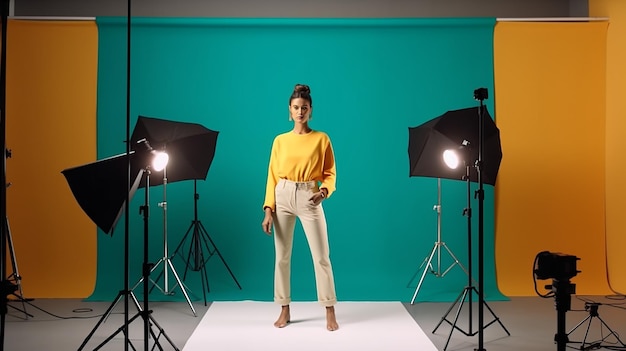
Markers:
point(371, 79)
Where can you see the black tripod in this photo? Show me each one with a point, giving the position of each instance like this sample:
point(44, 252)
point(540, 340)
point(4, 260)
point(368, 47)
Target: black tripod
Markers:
point(200, 240)
point(592, 307)
point(145, 313)
point(466, 294)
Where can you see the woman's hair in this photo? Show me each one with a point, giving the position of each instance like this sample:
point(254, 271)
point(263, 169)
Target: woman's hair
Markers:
point(301, 91)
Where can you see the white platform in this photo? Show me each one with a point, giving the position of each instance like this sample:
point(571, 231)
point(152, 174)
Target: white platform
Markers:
point(363, 326)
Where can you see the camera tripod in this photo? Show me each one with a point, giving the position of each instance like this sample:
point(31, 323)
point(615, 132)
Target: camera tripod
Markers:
point(592, 307)
point(200, 239)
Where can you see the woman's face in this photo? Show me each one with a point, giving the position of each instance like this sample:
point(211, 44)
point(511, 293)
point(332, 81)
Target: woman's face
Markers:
point(300, 110)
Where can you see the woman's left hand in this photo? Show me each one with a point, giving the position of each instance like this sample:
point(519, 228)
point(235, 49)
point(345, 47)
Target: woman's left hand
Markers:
point(317, 197)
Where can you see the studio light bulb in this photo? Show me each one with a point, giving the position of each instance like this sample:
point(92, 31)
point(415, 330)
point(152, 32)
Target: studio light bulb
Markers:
point(451, 159)
point(159, 161)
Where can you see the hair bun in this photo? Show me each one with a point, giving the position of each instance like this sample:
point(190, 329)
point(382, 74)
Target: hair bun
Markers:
point(302, 88)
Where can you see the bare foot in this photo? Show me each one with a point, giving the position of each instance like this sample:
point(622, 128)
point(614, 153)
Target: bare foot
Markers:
point(284, 317)
point(331, 320)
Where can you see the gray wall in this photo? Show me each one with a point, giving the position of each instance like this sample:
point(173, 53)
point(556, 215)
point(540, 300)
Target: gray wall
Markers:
point(306, 8)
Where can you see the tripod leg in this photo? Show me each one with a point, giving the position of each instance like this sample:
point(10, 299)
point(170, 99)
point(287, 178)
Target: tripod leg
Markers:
point(199, 237)
point(205, 282)
point(152, 281)
point(187, 263)
point(20, 310)
point(16, 274)
point(496, 319)
point(456, 317)
point(161, 333)
point(461, 297)
point(457, 262)
point(202, 267)
point(425, 262)
point(612, 332)
point(182, 241)
point(174, 253)
point(579, 324)
point(582, 346)
point(140, 313)
point(104, 316)
point(182, 287)
point(206, 234)
point(165, 289)
point(586, 319)
point(119, 330)
point(428, 264)
point(193, 250)
point(168, 263)
point(23, 310)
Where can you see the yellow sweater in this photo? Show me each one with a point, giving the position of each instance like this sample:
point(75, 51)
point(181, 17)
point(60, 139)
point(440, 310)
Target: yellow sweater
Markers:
point(300, 158)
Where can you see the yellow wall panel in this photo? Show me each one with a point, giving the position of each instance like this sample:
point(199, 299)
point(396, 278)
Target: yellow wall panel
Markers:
point(550, 91)
point(51, 125)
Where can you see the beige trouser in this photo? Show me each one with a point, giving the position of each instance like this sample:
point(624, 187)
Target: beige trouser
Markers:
point(292, 201)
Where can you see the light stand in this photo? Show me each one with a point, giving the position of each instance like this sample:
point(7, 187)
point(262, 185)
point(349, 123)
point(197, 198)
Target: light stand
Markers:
point(427, 263)
point(145, 313)
point(199, 241)
point(13, 280)
point(165, 260)
point(126, 293)
point(479, 94)
point(6, 287)
point(467, 292)
point(15, 277)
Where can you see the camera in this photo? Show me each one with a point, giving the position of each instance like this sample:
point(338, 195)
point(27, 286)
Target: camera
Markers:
point(558, 266)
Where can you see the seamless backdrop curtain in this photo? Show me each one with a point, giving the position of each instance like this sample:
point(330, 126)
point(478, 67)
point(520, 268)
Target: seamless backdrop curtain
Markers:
point(51, 125)
point(551, 192)
point(370, 81)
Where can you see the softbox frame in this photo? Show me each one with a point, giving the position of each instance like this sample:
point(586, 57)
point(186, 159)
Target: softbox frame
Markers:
point(448, 131)
point(190, 146)
point(100, 187)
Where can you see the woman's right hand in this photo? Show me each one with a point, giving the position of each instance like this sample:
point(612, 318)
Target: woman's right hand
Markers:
point(267, 221)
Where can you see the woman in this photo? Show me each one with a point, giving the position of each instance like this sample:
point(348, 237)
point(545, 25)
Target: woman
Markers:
point(301, 175)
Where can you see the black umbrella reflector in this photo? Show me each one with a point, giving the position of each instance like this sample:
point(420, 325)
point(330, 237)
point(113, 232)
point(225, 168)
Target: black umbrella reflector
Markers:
point(101, 188)
point(190, 146)
point(428, 141)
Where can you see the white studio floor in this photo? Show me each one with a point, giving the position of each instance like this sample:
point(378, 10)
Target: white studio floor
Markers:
point(364, 326)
